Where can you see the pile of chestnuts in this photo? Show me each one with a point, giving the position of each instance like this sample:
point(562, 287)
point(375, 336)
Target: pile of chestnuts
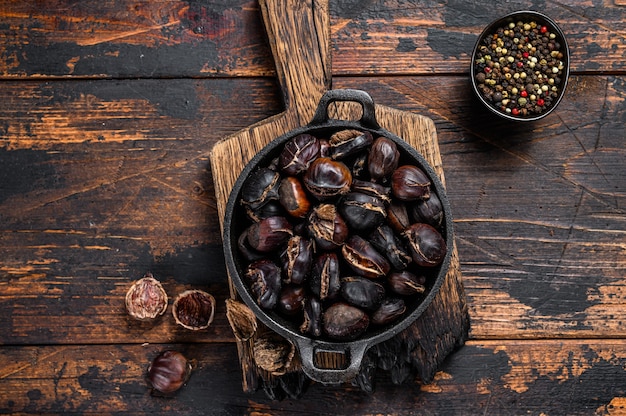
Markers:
point(344, 233)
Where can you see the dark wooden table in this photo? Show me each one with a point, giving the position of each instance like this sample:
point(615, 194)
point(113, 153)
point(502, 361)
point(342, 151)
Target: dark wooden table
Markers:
point(109, 111)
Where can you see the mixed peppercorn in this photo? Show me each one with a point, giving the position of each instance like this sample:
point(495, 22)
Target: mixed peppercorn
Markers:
point(519, 68)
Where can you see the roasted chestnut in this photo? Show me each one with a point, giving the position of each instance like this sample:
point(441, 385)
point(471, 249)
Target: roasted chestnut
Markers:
point(327, 227)
point(361, 211)
point(312, 324)
point(373, 189)
point(387, 243)
point(298, 154)
point(346, 143)
point(297, 259)
point(344, 322)
point(428, 248)
point(246, 250)
point(269, 234)
point(362, 292)
point(397, 216)
point(364, 259)
point(291, 299)
point(429, 211)
point(383, 159)
point(260, 188)
point(405, 283)
point(270, 209)
point(388, 311)
point(325, 281)
point(265, 282)
point(410, 183)
point(327, 178)
point(293, 197)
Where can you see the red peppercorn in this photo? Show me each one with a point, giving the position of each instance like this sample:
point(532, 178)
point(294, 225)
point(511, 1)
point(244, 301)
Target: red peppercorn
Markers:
point(525, 54)
point(524, 93)
point(520, 64)
point(515, 111)
point(487, 70)
point(540, 102)
point(543, 29)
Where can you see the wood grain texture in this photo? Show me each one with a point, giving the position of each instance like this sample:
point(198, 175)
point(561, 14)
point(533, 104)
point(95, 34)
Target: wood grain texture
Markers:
point(194, 39)
point(108, 112)
point(497, 378)
point(147, 39)
point(82, 210)
point(553, 259)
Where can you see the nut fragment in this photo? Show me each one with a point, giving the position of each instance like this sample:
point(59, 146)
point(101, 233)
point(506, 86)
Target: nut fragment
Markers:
point(169, 371)
point(146, 299)
point(194, 309)
point(274, 353)
point(296, 259)
point(242, 320)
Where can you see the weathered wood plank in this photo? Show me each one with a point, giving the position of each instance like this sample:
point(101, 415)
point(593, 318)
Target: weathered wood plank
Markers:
point(434, 37)
point(497, 378)
point(191, 39)
point(133, 39)
point(538, 208)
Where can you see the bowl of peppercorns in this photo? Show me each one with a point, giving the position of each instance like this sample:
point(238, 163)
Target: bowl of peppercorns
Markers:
point(520, 66)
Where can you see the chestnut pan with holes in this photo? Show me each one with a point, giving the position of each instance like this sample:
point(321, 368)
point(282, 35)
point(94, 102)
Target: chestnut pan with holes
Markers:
point(299, 35)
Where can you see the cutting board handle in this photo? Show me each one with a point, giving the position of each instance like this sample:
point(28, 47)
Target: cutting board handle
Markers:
point(299, 35)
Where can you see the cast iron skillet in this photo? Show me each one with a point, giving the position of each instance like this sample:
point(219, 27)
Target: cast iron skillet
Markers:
point(321, 125)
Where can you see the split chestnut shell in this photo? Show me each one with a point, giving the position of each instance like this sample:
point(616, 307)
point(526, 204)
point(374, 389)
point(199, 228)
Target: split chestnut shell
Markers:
point(146, 299)
point(194, 309)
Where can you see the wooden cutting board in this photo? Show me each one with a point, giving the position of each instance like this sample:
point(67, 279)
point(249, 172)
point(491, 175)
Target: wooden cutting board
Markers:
point(299, 35)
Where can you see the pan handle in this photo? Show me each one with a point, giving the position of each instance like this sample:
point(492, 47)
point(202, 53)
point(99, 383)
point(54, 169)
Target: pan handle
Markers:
point(368, 119)
point(353, 351)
